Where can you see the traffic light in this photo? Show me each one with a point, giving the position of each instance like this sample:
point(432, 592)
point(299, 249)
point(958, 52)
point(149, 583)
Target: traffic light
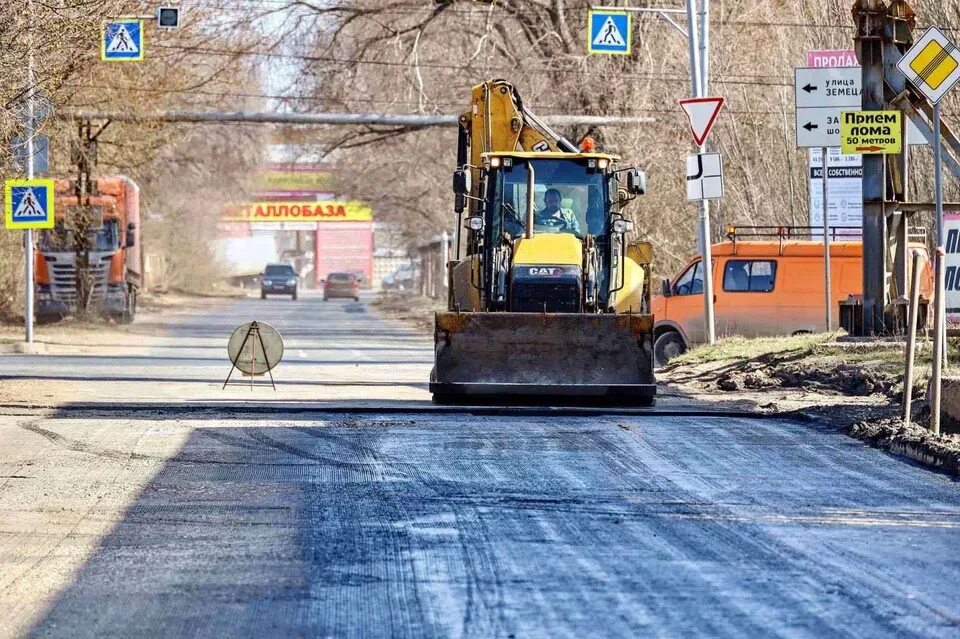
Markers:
point(168, 17)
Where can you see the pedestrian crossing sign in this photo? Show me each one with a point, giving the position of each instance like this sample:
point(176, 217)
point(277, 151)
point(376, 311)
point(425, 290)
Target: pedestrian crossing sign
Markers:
point(932, 64)
point(122, 41)
point(28, 204)
point(609, 32)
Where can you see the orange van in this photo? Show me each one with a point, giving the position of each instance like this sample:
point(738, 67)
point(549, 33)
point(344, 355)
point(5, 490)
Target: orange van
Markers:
point(762, 288)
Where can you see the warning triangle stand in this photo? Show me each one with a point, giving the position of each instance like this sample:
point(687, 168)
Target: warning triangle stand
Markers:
point(702, 114)
point(609, 35)
point(253, 336)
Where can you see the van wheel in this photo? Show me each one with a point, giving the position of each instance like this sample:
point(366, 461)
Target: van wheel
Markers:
point(668, 346)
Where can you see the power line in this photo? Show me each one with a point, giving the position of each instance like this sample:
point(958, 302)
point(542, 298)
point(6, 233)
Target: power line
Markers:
point(456, 67)
point(309, 98)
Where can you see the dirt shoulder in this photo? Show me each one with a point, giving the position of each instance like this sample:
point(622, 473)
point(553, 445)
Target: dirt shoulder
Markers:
point(855, 387)
point(408, 308)
point(79, 336)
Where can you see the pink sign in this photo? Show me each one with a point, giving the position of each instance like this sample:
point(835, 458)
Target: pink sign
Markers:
point(831, 58)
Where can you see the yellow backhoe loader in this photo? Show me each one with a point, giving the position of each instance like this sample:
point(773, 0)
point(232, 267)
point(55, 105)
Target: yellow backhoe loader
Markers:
point(548, 297)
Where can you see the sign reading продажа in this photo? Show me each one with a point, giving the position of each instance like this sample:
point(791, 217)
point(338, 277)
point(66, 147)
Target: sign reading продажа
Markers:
point(871, 131)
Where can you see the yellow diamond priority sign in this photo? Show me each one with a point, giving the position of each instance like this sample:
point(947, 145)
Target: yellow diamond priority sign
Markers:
point(932, 64)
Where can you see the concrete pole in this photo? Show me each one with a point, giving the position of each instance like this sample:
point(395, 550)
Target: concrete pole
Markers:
point(29, 134)
point(828, 303)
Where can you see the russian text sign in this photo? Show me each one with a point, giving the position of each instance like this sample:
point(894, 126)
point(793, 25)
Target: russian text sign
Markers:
point(871, 132)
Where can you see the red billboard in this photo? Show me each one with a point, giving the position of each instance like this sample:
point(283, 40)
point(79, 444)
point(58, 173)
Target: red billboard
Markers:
point(344, 247)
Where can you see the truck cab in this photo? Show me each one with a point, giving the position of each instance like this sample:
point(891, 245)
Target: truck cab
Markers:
point(91, 259)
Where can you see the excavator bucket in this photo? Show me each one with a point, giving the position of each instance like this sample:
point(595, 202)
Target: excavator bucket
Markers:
point(567, 357)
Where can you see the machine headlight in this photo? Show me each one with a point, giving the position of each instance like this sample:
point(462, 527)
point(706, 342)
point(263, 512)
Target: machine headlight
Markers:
point(291, 281)
point(602, 164)
point(494, 162)
point(475, 223)
point(622, 226)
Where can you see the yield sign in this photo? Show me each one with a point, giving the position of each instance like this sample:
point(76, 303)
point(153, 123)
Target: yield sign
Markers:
point(702, 114)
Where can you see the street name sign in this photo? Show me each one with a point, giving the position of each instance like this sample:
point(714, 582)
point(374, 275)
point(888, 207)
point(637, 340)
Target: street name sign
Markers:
point(122, 41)
point(872, 132)
point(609, 32)
point(704, 176)
point(821, 95)
point(28, 204)
point(932, 64)
point(702, 114)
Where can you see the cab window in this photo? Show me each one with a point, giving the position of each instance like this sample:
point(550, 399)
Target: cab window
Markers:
point(749, 276)
point(691, 282)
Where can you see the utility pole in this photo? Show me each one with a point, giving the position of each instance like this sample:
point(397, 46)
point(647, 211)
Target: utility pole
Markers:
point(871, 18)
point(29, 135)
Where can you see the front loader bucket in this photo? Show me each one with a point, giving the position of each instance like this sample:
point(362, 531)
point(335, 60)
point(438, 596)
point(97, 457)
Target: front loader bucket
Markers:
point(563, 356)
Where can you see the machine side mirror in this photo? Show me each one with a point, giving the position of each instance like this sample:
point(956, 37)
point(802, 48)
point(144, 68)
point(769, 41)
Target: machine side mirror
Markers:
point(461, 188)
point(131, 235)
point(461, 181)
point(636, 182)
point(666, 288)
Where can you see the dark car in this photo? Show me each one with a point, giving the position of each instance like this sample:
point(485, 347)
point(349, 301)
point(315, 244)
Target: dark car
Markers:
point(341, 285)
point(279, 279)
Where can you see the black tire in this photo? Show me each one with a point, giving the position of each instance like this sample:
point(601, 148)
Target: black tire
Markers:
point(263, 296)
point(294, 296)
point(668, 346)
point(324, 298)
point(356, 299)
point(130, 312)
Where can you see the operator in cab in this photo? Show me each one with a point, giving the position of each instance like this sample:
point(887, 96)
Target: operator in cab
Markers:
point(552, 216)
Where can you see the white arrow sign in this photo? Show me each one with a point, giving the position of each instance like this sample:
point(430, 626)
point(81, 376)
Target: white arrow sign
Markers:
point(702, 114)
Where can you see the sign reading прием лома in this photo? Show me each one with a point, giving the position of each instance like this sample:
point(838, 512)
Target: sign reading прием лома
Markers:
point(28, 204)
point(871, 132)
point(122, 40)
point(608, 32)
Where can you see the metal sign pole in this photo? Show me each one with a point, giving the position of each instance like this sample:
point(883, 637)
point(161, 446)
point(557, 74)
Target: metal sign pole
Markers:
point(826, 240)
point(938, 195)
point(28, 235)
point(706, 259)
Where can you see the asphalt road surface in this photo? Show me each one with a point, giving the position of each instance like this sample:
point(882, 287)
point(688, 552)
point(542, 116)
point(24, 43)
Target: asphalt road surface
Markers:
point(422, 524)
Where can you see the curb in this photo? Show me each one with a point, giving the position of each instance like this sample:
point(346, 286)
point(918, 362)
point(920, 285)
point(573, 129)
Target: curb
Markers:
point(919, 446)
point(303, 408)
point(22, 348)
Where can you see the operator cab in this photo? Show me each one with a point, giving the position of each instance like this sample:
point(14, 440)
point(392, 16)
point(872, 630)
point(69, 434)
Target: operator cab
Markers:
point(525, 196)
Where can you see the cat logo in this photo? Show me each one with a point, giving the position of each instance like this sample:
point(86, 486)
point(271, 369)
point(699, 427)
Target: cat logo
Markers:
point(545, 270)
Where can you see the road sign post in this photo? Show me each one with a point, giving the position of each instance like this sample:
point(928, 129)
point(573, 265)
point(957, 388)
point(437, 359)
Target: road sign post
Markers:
point(122, 40)
point(932, 65)
point(871, 132)
point(609, 32)
point(821, 95)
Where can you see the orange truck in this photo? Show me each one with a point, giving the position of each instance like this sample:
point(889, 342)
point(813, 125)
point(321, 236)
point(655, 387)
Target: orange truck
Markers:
point(111, 253)
point(762, 288)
